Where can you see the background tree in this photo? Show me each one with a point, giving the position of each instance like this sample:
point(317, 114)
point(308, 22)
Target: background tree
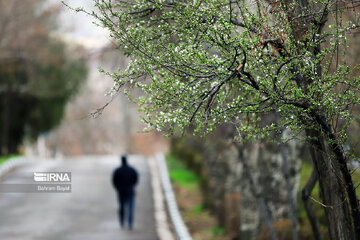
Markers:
point(205, 63)
point(37, 76)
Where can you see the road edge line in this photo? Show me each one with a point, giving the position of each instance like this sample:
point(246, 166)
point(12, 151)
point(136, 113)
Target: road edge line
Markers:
point(177, 221)
point(11, 164)
point(161, 218)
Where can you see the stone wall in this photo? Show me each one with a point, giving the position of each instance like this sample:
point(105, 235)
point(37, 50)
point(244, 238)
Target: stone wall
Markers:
point(226, 188)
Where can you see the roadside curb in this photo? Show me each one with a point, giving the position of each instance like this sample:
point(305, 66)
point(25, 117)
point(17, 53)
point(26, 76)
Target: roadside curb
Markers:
point(11, 164)
point(163, 228)
point(177, 221)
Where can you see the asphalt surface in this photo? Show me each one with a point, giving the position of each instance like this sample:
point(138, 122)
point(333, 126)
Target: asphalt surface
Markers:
point(89, 212)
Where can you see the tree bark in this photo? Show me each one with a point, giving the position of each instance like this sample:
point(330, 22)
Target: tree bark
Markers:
point(349, 186)
point(332, 191)
point(345, 175)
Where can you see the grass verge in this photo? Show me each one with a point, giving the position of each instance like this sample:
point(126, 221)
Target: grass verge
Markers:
point(8, 157)
point(186, 184)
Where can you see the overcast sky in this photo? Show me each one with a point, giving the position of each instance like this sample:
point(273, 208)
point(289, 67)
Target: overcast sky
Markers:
point(78, 27)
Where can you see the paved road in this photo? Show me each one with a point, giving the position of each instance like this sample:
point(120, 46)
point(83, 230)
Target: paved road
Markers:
point(88, 213)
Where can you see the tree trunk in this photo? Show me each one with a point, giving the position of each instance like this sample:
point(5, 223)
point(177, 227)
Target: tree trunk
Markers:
point(343, 173)
point(262, 206)
point(305, 195)
point(6, 121)
point(332, 191)
point(289, 195)
point(348, 184)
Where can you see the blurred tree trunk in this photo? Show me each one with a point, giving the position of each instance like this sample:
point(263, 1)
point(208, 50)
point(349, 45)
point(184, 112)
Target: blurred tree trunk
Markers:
point(291, 202)
point(305, 195)
point(126, 124)
point(264, 210)
point(5, 120)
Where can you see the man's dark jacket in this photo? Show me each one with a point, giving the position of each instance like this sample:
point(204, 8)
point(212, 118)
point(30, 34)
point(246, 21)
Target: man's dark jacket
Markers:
point(124, 180)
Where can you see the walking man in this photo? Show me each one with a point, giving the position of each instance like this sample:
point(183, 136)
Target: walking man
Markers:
point(124, 180)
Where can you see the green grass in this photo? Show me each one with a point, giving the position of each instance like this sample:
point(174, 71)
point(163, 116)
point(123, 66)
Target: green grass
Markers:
point(306, 170)
point(356, 179)
point(180, 174)
point(218, 231)
point(5, 158)
point(198, 209)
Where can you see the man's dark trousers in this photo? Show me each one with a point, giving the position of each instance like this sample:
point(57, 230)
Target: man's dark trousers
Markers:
point(126, 209)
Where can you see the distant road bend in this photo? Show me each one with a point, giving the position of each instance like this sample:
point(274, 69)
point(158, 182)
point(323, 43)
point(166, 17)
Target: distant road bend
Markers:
point(89, 212)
